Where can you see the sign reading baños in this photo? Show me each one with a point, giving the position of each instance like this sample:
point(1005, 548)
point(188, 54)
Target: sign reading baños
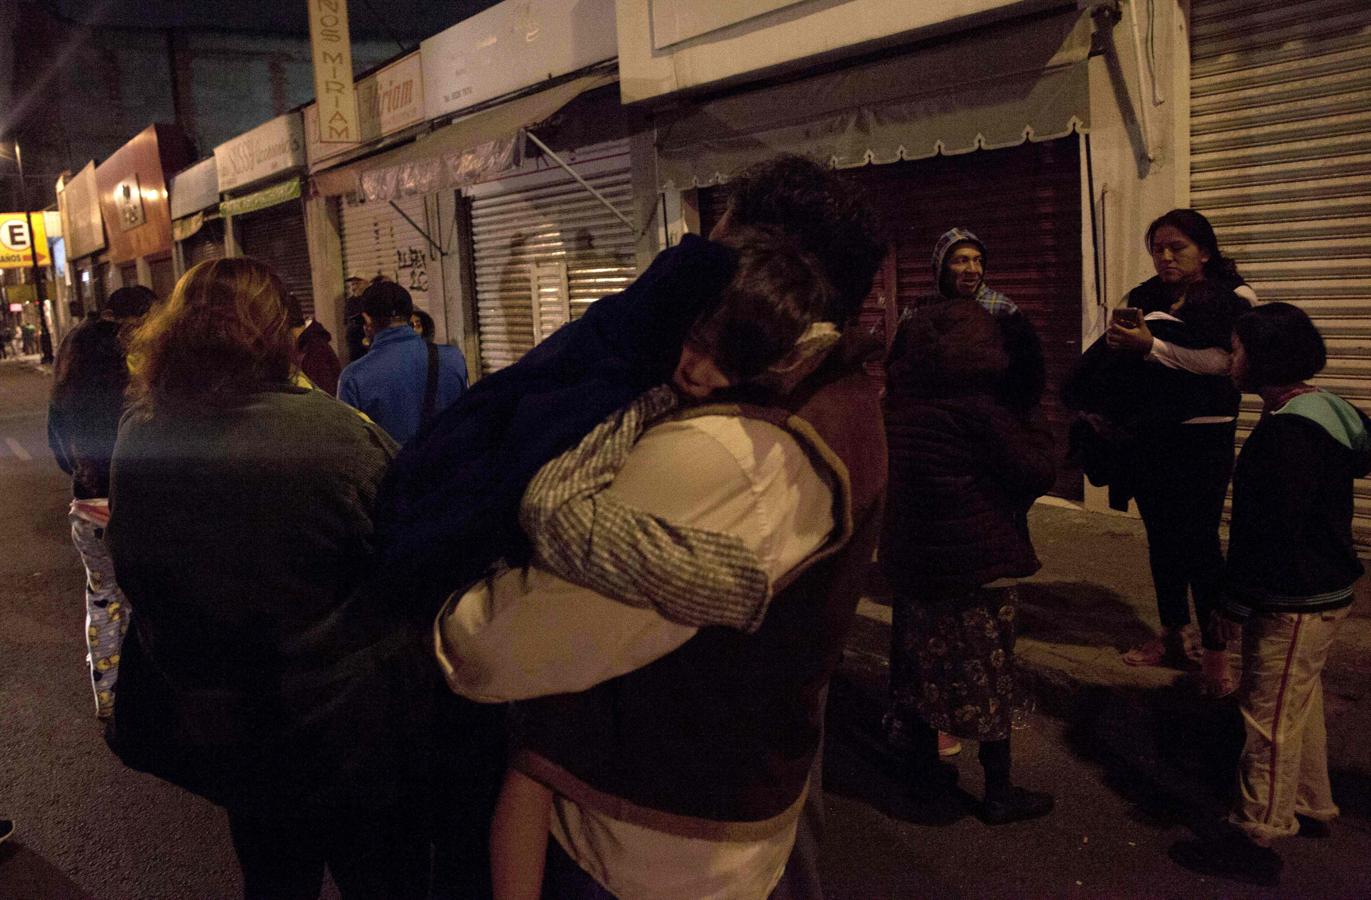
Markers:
point(332, 51)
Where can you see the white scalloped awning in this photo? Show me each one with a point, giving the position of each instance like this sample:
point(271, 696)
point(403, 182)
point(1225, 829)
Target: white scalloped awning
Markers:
point(471, 149)
point(995, 87)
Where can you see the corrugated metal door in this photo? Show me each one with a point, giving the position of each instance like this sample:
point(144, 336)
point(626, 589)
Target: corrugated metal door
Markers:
point(276, 235)
point(205, 244)
point(543, 253)
point(1280, 135)
point(379, 240)
point(1025, 203)
point(163, 277)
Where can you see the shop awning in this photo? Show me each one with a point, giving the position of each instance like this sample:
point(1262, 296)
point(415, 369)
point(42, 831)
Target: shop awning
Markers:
point(471, 149)
point(995, 87)
point(268, 196)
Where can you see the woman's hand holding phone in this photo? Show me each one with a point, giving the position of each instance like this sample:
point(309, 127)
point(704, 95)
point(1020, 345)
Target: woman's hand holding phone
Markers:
point(1128, 331)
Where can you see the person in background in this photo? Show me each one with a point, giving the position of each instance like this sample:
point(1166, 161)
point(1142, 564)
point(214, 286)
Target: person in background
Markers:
point(354, 329)
point(1181, 454)
point(89, 381)
point(260, 673)
point(969, 453)
point(422, 322)
point(313, 350)
point(1287, 586)
point(402, 382)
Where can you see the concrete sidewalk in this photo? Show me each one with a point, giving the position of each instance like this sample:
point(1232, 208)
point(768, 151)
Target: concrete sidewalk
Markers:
point(1093, 599)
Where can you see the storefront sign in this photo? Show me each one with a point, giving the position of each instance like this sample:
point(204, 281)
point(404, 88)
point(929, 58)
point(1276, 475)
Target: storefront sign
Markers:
point(128, 199)
point(512, 46)
point(388, 100)
point(16, 307)
point(665, 46)
point(331, 47)
point(195, 189)
point(274, 147)
point(17, 245)
point(133, 193)
point(79, 203)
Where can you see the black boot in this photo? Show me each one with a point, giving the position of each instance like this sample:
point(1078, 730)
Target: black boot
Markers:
point(1005, 803)
point(932, 782)
point(1228, 853)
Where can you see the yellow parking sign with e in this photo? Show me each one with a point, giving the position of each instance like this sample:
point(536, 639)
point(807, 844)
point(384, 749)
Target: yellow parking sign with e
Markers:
point(17, 245)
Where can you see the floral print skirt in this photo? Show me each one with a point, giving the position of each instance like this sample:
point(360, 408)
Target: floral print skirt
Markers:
point(952, 664)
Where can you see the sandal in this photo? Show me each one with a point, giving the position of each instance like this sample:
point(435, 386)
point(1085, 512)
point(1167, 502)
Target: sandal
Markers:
point(1151, 652)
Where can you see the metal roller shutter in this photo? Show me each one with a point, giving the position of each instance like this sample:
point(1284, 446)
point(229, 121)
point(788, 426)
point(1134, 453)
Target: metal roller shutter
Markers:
point(1025, 203)
point(205, 244)
point(377, 240)
point(542, 255)
point(163, 277)
point(1280, 135)
point(276, 235)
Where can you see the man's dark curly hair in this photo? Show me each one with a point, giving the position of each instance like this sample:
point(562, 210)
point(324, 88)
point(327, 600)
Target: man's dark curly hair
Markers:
point(828, 217)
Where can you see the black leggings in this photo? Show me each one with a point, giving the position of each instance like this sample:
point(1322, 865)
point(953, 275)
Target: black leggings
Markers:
point(1181, 482)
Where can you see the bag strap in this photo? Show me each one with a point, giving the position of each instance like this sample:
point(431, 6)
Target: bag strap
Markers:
point(431, 388)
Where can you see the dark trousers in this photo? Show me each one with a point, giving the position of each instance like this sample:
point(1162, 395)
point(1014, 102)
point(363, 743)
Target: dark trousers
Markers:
point(1182, 478)
point(377, 857)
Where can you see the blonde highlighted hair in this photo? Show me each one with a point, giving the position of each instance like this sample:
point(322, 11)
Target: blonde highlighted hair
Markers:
point(223, 335)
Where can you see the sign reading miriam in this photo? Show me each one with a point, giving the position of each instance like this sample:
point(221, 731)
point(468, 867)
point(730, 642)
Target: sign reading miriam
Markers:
point(332, 51)
point(388, 100)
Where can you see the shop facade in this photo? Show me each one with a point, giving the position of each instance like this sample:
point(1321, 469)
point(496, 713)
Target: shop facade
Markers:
point(261, 174)
point(493, 238)
point(197, 228)
point(83, 230)
point(133, 196)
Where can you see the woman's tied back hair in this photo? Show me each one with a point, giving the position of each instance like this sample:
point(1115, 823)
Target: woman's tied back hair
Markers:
point(224, 334)
point(1195, 226)
point(828, 217)
point(777, 291)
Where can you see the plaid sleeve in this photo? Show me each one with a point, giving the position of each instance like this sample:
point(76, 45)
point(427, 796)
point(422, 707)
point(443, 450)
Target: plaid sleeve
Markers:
point(582, 533)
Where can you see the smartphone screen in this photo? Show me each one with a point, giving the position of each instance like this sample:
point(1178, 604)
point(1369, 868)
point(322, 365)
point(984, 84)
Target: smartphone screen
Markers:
point(1128, 316)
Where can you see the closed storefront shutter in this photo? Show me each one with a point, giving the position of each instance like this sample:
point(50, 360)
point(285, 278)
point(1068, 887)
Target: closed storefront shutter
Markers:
point(276, 235)
point(1280, 136)
point(379, 240)
point(543, 252)
point(205, 244)
point(1025, 203)
point(163, 277)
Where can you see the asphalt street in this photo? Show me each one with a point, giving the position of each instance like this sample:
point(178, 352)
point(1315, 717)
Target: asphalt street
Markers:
point(1128, 783)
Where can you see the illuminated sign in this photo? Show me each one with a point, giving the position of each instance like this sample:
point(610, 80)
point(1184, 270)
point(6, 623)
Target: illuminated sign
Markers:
point(17, 246)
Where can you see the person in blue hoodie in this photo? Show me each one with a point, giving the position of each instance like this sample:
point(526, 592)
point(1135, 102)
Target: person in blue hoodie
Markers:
point(1287, 585)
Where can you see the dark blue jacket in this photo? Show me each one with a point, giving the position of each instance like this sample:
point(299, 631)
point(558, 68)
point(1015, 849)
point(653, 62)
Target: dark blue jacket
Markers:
point(449, 507)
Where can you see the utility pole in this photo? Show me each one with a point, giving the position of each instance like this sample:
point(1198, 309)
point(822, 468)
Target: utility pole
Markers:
point(45, 336)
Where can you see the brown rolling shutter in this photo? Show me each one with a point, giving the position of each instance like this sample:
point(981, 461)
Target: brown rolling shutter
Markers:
point(1025, 203)
point(276, 235)
point(163, 277)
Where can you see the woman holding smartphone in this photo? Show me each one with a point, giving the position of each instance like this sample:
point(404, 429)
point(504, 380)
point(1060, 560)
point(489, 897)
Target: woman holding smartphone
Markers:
point(1176, 331)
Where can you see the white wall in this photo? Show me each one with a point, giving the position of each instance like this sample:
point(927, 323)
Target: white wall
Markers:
point(1131, 190)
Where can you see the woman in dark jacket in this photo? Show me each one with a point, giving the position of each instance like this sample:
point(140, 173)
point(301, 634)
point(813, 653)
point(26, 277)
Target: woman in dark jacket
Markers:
point(967, 459)
point(257, 672)
point(89, 381)
point(1181, 412)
